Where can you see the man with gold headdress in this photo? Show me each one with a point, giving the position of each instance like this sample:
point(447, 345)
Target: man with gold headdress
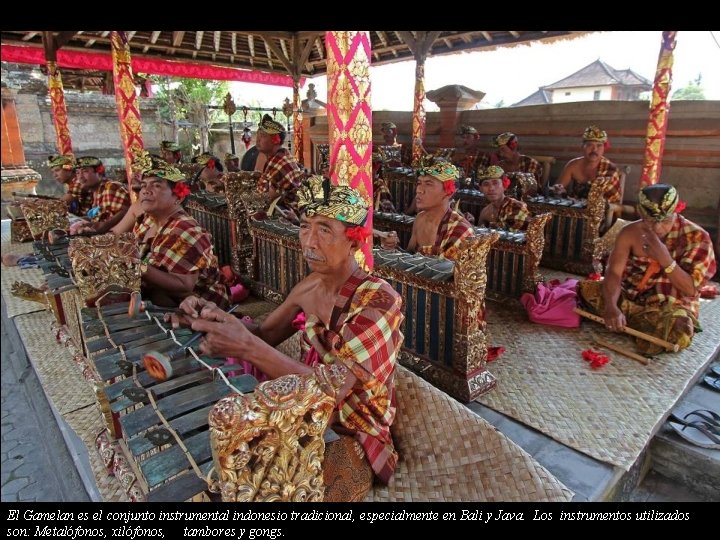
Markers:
point(467, 153)
point(503, 212)
point(580, 173)
point(438, 230)
point(232, 162)
point(282, 175)
point(655, 272)
point(110, 199)
point(177, 253)
point(78, 200)
point(351, 337)
point(211, 175)
point(170, 152)
point(509, 157)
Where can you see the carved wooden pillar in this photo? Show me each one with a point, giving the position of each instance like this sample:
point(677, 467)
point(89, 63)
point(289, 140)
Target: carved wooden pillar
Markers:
point(297, 122)
point(59, 110)
point(659, 113)
point(126, 100)
point(350, 117)
point(418, 119)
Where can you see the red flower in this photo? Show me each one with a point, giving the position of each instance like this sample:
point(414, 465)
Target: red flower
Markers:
point(449, 186)
point(595, 276)
point(181, 190)
point(506, 182)
point(357, 233)
point(210, 164)
point(680, 206)
point(596, 359)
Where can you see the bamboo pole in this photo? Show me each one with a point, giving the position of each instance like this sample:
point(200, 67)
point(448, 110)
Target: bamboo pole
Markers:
point(631, 331)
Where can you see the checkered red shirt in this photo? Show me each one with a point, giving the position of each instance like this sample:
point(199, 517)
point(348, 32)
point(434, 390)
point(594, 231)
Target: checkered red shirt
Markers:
point(83, 198)
point(691, 247)
point(111, 197)
point(453, 229)
point(364, 336)
point(182, 246)
point(513, 215)
point(284, 174)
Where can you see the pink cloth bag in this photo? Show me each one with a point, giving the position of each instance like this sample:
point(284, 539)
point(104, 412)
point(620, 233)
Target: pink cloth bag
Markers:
point(553, 303)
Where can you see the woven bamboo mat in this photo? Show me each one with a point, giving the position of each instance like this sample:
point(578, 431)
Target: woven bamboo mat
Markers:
point(60, 377)
point(448, 453)
point(69, 392)
point(88, 423)
point(11, 274)
point(608, 413)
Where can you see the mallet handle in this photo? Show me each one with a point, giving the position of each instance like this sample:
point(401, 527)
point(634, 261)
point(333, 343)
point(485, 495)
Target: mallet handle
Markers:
point(631, 331)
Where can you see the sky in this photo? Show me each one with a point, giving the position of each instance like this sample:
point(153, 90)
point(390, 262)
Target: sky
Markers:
point(511, 74)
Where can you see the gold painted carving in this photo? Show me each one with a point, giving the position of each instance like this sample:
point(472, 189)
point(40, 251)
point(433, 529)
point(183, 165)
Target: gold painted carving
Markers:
point(45, 215)
point(269, 446)
point(23, 290)
point(105, 263)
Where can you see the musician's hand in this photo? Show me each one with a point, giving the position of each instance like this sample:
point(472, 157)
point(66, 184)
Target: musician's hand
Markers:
point(614, 319)
point(193, 305)
point(391, 241)
point(654, 248)
point(178, 320)
point(80, 226)
point(225, 335)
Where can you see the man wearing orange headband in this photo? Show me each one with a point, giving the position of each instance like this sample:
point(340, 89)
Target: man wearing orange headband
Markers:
point(580, 173)
point(282, 175)
point(655, 272)
point(438, 230)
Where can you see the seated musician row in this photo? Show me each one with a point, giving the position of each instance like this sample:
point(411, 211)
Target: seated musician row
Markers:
point(574, 181)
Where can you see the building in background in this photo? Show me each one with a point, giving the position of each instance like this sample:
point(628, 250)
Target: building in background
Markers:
point(595, 82)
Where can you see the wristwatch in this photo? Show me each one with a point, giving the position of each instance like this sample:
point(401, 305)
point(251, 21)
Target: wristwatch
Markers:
point(672, 266)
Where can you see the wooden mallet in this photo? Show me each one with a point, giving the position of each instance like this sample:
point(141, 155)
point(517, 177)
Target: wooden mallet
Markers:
point(138, 306)
point(158, 364)
point(673, 347)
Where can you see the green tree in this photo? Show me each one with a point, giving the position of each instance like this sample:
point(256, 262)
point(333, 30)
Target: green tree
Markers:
point(693, 91)
point(500, 104)
point(186, 101)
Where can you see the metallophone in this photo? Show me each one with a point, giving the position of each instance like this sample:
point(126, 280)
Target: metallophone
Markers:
point(162, 427)
point(444, 328)
point(513, 261)
point(574, 226)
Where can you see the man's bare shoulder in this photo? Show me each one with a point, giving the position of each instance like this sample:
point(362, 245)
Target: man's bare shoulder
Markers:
point(574, 163)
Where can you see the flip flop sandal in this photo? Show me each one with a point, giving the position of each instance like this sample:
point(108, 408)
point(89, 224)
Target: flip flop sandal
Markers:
point(715, 370)
point(712, 382)
point(697, 433)
point(710, 425)
point(711, 417)
point(705, 415)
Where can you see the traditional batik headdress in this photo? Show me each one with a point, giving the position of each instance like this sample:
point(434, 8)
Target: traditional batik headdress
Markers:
point(317, 197)
point(594, 133)
point(468, 130)
point(387, 125)
point(505, 139)
point(230, 157)
point(206, 159)
point(662, 210)
point(492, 172)
point(270, 126)
point(443, 171)
point(169, 146)
point(90, 161)
point(152, 166)
point(63, 161)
